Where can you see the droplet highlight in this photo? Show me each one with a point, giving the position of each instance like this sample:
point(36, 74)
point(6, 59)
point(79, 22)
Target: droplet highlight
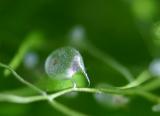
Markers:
point(64, 63)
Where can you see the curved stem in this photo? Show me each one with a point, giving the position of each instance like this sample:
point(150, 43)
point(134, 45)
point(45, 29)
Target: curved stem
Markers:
point(144, 76)
point(21, 79)
point(107, 60)
point(137, 91)
point(19, 99)
point(34, 39)
point(64, 109)
point(55, 95)
point(149, 96)
point(67, 111)
point(151, 85)
point(43, 96)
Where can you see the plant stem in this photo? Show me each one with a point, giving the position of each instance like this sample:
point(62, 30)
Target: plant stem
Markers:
point(21, 79)
point(144, 76)
point(95, 52)
point(50, 98)
point(43, 96)
point(55, 95)
point(64, 109)
point(137, 91)
point(149, 96)
point(151, 85)
point(19, 99)
point(34, 39)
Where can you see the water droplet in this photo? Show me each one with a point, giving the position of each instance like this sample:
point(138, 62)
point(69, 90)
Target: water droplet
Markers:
point(63, 63)
point(108, 100)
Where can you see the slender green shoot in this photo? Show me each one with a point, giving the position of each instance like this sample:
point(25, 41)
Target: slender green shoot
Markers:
point(143, 77)
point(33, 40)
point(12, 98)
point(108, 60)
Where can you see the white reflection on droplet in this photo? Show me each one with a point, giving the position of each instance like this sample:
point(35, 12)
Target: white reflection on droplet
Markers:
point(75, 66)
point(112, 101)
point(31, 59)
point(156, 108)
point(154, 67)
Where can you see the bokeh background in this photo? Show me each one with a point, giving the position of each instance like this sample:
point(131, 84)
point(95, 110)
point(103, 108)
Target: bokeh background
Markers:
point(124, 29)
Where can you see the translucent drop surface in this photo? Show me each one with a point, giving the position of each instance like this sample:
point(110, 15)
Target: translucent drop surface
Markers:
point(63, 63)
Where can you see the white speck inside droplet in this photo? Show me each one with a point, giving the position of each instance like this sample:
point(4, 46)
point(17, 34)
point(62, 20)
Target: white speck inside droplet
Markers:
point(154, 67)
point(156, 108)
point(70, 73)
point(31, 59)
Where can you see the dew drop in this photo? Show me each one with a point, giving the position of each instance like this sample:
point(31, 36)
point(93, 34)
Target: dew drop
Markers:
point(63, 63)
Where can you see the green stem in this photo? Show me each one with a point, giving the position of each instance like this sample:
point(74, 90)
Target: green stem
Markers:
point(65, 110)
point(137, 91)
point(149, 96)
point(43, 96)
point(53, 96)
point(21, 79)
point(144, 76)
point(34, 39)
point(151, 85)
point(19, 99)
point(113, 90)
point(108, 60)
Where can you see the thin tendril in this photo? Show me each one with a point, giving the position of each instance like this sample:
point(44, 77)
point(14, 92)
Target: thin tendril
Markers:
point(51, 98)
point(143, 77)
point(13, 98)
point(107, 60)
point(21, 79)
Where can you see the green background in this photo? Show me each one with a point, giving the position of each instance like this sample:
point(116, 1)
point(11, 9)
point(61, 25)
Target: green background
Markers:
point(111, 25)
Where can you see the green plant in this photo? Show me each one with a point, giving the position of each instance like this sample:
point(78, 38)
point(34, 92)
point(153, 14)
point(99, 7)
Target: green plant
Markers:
point(143, 85)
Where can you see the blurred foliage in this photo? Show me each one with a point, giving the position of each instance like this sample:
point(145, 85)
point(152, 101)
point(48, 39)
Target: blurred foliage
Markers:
point(117, 27)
